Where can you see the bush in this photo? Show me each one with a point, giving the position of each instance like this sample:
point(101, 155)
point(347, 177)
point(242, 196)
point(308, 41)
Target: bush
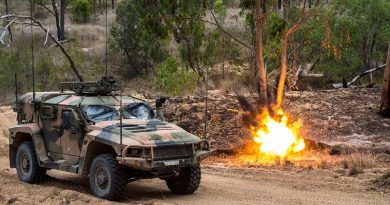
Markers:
point(82, 11)
point(174, 79)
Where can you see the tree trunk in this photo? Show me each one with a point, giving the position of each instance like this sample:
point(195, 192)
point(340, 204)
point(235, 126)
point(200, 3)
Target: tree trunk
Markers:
point(385, 99)
point(62, 21)
point(285, 8)
point(283, 60)
point(57, 17)
point(259, 21)
point(6, 12)
point(113, 4)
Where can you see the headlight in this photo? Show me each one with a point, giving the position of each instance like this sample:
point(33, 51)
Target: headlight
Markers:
point(203, 145)
point(147, 153)
point(134, 152)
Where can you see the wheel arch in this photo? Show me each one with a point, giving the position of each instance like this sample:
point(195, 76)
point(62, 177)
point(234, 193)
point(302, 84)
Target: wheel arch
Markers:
point(18, 139)
point(94, 148)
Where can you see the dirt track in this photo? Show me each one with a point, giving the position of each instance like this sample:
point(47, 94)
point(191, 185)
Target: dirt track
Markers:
point(220, 185)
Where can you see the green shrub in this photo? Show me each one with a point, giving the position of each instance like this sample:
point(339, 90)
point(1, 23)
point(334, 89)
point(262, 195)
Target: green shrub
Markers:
point(174, 79)
point(82, 11)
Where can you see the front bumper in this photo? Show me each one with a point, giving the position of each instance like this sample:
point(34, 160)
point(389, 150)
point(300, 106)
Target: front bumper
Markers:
point(150, 164)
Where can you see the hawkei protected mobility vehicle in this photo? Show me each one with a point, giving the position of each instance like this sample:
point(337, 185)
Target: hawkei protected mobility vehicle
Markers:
point(113, 139)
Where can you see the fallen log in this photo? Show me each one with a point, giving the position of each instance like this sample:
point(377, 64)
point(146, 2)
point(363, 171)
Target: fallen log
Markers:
point(304, 73)
point(343, 85)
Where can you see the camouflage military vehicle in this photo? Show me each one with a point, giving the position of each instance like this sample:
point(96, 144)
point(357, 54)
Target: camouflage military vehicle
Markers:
point(93, 131)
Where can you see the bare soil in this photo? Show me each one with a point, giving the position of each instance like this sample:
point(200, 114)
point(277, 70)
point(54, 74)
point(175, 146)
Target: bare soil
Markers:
point(337, 117)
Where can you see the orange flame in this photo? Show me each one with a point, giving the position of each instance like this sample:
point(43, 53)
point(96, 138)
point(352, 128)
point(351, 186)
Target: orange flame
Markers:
point(276, 136)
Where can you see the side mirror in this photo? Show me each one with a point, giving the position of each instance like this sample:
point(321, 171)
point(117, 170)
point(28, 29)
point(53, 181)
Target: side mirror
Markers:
point(160, 101)
point(17, 109)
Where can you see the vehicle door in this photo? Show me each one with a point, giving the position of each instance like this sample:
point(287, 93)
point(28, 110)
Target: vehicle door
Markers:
point(72, 133)
point(50, 117)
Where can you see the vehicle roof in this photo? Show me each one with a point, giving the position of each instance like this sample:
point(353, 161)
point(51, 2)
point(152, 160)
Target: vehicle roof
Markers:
point(70, 98)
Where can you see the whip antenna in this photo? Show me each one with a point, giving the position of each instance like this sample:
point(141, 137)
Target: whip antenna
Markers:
point(16, 89)
point(106, 39)
point(206, 99)
point(120, 119)
point(32, 50)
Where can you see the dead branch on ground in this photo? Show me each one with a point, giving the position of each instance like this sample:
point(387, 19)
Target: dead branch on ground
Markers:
point(345, 85)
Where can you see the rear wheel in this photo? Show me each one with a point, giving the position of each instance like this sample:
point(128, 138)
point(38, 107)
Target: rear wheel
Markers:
point(186, 182)
point(27, 166)
point(107, 178)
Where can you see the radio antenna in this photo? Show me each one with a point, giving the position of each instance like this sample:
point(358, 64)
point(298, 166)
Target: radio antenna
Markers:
point(16, 89)
point(32, 50)
point(206, 99)
point(106, 39)
point(120, 119)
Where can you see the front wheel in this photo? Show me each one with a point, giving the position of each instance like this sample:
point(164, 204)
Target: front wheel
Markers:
point(187, 181)
point(27, 166)
point(107, 178)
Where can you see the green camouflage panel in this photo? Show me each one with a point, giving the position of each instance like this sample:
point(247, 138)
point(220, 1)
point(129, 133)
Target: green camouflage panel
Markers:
point(140, 133)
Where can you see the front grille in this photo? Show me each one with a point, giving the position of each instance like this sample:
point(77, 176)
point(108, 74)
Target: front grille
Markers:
point(172, 152)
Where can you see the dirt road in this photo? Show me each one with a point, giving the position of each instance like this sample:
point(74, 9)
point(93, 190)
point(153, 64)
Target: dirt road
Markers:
point(221, 184)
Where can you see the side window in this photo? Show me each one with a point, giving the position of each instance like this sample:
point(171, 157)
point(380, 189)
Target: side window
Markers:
point(66, 119)
point(48, 112)
point(70, 121)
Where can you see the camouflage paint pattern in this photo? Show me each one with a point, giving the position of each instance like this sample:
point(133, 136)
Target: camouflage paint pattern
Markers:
point(67, 147)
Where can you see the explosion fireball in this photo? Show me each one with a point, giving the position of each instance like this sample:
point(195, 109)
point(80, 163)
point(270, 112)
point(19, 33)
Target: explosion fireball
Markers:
point(276, 136)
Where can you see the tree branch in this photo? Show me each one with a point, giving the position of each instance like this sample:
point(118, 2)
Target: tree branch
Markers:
point(67, 3)
point(44, 6)
point(46, 30)
point(220, 27)
point(284, 62)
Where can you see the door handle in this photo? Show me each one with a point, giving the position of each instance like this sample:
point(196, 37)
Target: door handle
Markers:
point(72, 130)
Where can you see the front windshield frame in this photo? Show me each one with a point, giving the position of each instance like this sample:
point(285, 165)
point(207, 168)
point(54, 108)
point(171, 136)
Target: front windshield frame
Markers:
point(115, 111)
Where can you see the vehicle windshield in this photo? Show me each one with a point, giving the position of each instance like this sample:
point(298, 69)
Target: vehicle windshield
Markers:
point(98, 113)
point(138, 111)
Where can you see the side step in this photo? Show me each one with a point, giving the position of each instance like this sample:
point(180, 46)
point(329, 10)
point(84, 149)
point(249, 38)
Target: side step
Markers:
point(61, 165)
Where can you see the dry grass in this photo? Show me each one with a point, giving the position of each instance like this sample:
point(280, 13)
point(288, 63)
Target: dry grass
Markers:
point(384, 180)
point(345, 164)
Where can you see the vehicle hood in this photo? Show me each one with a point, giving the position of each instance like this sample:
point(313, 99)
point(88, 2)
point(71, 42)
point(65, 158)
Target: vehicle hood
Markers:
point(140, 133)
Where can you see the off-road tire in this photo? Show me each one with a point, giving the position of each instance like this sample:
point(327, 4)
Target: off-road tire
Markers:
point(27, 166)
point(107, 178)
point(186, 182)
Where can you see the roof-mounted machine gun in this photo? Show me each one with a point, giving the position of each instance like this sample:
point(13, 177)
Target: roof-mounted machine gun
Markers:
point(104, 86)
